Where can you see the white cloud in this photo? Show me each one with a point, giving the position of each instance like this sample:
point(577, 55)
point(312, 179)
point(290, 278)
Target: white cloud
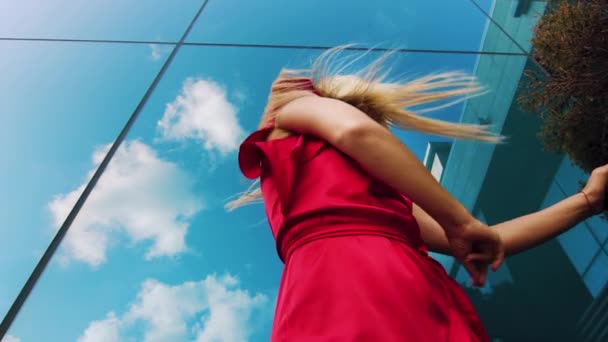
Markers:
point(213, 309)
point(156, 51)
point(9, 338)
point(201, 112)
point(106, 330)
point(229, 312)
point(166, 309)
point(139, 194)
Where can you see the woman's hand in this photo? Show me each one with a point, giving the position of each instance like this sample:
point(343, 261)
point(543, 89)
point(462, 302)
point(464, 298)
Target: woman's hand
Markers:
point(595, 190)
point(476, 246)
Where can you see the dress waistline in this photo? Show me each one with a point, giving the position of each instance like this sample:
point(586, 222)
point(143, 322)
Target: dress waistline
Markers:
point(300, 235)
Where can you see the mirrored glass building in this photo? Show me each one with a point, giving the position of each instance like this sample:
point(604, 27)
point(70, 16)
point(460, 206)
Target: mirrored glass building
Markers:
point(121, 120)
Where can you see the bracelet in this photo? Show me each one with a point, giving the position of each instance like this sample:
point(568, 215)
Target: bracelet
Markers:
point(587, 200)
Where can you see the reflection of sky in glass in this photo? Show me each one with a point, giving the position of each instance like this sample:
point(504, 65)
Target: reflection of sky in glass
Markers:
point(385, 22)
point(153, 254)
point(59, 101)
point(97, 19)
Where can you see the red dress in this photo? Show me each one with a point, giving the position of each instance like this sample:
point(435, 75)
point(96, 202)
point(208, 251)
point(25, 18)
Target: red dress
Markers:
point(356, 268)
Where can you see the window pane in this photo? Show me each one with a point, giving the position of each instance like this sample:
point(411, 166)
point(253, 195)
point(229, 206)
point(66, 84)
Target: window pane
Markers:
point(580, 246)
point(437, 168)
point(569, 177)
point(60, 104)
point(597, 276)
point(599, 226)
point(97, 19)
point(516, 17)
point(319, 22)
point(554, 195)
point(463, 177)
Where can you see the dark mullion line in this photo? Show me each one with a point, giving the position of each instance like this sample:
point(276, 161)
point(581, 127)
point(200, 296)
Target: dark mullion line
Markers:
point(378, 49)
point(590, 264)
point(524, 52)
point(46, 257)
point(261, 46)
point(76, 40)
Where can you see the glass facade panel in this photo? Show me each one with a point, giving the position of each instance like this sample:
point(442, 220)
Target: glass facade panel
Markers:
point(570, 177)
point(580, 246)
point(554, 195)
point(153, 255)
point(313, 23)
point(599, 227)
point(59, 101)
point(596, 277)
point(517, 18)
point(98, 19)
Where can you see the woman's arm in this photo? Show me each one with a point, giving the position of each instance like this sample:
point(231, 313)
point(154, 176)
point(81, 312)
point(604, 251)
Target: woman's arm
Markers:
point(432, 233)
point(377, 150)
point(530, 230)
point(518, 234)
point(386, 158)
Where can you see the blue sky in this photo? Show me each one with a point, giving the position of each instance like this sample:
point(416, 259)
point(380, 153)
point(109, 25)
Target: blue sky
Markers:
point(154, 236)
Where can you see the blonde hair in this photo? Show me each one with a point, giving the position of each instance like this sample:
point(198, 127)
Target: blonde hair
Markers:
point(388, 103)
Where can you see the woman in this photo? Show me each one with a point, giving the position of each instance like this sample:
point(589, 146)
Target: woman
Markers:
point(353, 211)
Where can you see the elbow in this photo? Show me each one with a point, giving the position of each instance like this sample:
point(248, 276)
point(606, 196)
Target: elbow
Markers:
point(353, 135)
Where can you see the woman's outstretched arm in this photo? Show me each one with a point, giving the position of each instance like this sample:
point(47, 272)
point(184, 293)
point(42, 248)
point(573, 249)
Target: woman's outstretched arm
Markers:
point(518, 234)
point(531, 230)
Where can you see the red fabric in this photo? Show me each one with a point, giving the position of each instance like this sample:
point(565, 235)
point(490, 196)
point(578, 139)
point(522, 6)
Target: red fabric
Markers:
point(356, 268)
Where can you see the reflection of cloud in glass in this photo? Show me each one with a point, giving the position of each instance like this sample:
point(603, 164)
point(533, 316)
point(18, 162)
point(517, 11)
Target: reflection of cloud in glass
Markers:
point(147, 198)
point(106, 330)
point(213, 309)
point(158, 51)
point(9, 338)
point(155, 52)
point(202, 113)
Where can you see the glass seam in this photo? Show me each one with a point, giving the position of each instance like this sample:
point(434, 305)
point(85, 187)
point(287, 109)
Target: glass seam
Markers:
point(56, 241)
point(261, 46)
point(530, 57)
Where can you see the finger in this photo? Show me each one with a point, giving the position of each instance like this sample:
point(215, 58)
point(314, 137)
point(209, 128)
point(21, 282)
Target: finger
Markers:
point(486, 257)
point(482, 280)
point(500, 257)
point(472, 270)
point(482, 269)
point(478, 271)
